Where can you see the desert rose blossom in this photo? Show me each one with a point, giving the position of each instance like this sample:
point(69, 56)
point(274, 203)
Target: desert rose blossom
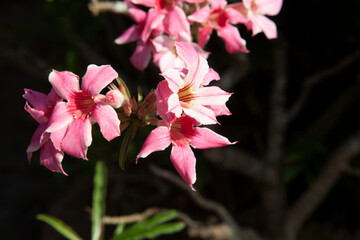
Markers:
point(185, 90)
point(82, 109)
point(182, 134)
point(255, 10)
point(220, 18)
point(40, 107)
point(148, 26)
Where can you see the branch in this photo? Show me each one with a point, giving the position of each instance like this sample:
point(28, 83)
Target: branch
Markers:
point(311, 81)
point(311, 199)
point(97, 7)
point(200, 200)
point(351, 172)
point(136, 217)
point(241, 162)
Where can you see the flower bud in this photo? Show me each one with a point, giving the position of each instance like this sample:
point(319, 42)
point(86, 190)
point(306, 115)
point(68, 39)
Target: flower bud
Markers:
point(115, 98)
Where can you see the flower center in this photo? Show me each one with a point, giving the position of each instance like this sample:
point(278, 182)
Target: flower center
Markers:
point(186, 95)
point(81, 105)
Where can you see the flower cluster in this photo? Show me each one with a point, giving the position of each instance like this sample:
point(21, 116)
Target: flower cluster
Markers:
point(180, 105)
point(168, 21)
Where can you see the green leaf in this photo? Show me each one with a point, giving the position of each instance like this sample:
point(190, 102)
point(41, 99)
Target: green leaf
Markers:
point(98, 205)
point(152, 227)
point(119, 229)
point(59, 226)
point(121, 82)
point(128, 137)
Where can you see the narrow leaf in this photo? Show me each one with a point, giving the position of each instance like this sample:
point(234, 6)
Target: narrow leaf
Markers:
point(98, 205)
point(59, 226)
point(119, 229)
point(128, 137)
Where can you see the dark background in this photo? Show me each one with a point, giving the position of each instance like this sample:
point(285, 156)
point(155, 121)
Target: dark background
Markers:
point(37, 36)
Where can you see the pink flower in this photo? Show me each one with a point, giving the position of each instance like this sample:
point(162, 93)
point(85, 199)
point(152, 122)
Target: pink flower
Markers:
point(83, 107)
point(220, 17)
point(182, 134)
point(255, 10)
point(184, 91)
point(165, 55)
point(42, 107)
point(148, 26)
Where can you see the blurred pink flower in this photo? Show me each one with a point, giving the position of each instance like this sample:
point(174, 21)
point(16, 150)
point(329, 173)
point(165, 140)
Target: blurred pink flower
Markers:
point(220, 17)
point(183, 89)
point(83, 107)
point(182, 134)
point(255, 10)
point(40, 107)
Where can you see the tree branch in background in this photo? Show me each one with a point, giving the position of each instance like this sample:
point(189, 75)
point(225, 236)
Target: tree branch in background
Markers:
point(97, 7)
point(202, 202)
point(311, 81)
point(310, 200)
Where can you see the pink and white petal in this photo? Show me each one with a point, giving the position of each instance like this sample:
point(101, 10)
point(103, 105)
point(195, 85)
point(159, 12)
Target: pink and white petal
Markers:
point(174, 105)
point(141, 56)
point(204, 35)
point(107, 119)
point(184, 162)
point(65, 83)
point(172, 76)
point(163, 93)
point(77, 138)
point(137, 14)
point(57, 136)
point(60, 117)
point(203, 138)
point(37, 141)
point(158, 140)
point(235, 16)
point(168, 60)
point(218, 4)
point(187, 52)
point(153, 20)
point(201, 114)
point(130, 35)
point(193, 1)
point(197, 72)
point(211, 96)
point(177, 24)
point(146, 3)
point(162, 43)
point(269, 7)
point(51, 158)
point(201, 16)
point(267, 26)
point(96, 78)
point(38, 100)
point(247, 3)
point(38, 115)
point(233, 41)
point(219, 110)
point(210, 76)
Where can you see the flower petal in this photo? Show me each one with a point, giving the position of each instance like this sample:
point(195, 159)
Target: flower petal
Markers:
point(201, 15)
point(38, 115)
point(173, 78)
point(211, 96)
point(77, 138)
point(196, 74)
point(177, 24)
point(107, 119)
point(204, 35)
point(158, 140)
point(96, 78)
point(201, 114)
point(218, 4)
point(137, 14)
point(130, 35)
point(187, 52)
point(203, 138)
point(141, 56)
point(210, 76)
point(60, 117)
point(65, 83)
point(153, 20)
point(51, 158)
point(184, 162)
point(233, 41)
point(267, 26)
point(38, 100)
point(57, 136)
point(146, 3)
point(36, 141)
point(269, 7)
point(163, 93)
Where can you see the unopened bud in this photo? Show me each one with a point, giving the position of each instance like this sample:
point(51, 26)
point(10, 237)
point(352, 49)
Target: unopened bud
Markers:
point(115, 98)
